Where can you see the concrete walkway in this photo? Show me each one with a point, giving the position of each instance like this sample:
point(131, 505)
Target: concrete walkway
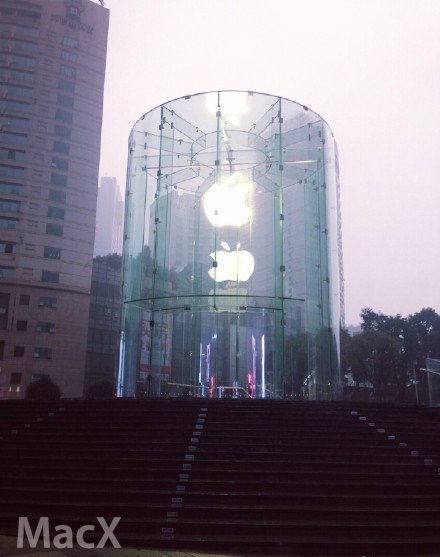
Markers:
point(8, 548)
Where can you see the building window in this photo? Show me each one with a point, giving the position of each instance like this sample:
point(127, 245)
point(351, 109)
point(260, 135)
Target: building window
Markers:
point(69, 41)
point(15, 106)
point(47, 302)
point(7, 187)
point(50, 276)
point(68, 56)
point(9, 222)
point(62, 131)
point(61, 164)
point(26, 45)
point(2, 349)
point(54, 229)
point(22, 76)
point(15, 378)
point(73, 12)
point(14, 122)
point(11, 206)
point(37, 376)
point(24, 299)
point(67, 71)
point(22, 60)
point(64, 116)
point(21, 325)
point(60, 147)
point(6, 272)
point(20, 29)
point(65, 85)
point(11, 171)
point(58, 196)
point(18, 351)
point(4, 310)
point(45, 327)
point(55, 212)
point(7, 247)
point(64, 100)
point(10, 137)
point(17, 90)
point(40, 352)
point(58, 179)
point(12, 154)
point(52, 253)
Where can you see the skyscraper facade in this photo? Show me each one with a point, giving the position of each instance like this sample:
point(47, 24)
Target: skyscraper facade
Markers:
point(104, 320)
point(232, 260)
point(109, 218)
point(52, 66)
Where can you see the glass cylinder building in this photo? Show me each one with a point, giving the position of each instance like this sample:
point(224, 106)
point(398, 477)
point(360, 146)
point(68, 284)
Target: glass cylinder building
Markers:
point(232, 268)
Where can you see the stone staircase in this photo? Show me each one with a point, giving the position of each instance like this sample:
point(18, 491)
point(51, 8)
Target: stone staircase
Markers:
point(296, 478)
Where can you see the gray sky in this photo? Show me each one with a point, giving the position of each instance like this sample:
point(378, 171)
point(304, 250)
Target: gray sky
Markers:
point(370, 68)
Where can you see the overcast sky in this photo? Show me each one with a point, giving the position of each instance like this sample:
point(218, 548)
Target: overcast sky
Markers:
point(370, 68)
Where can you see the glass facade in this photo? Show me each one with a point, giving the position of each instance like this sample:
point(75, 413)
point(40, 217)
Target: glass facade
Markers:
point(232, 268)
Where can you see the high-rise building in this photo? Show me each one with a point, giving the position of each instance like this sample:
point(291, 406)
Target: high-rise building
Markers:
point(109, 218)
point(104, 320)
point(52, 66)
point(232, 263)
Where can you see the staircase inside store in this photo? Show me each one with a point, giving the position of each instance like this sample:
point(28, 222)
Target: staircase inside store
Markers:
point(249, 476)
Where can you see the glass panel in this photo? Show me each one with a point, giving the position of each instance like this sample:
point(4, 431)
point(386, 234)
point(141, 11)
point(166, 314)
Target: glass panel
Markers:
point(47, 301)
point(58, 196)
point(50, 276)
point(7, 187)
point(6, 272)
point(231, 222)
point(55, 229)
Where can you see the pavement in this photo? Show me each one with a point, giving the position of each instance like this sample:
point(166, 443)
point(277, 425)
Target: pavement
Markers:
point(8, 548)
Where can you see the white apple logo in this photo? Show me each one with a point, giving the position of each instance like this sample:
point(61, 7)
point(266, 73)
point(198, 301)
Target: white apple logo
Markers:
point(227, 202)
point(228, 299)
point(232, 105)
point(232, 265)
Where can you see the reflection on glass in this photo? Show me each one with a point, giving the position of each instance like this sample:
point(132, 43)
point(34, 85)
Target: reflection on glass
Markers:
point(232, 105)
point(227, 202)
point(232, 265)
point(232, 251)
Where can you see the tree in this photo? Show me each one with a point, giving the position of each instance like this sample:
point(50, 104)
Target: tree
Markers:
point(426, 327)
point(43, 389)
point(101, 389)
point(113, 260)
point(417, 337)
point(374, 357)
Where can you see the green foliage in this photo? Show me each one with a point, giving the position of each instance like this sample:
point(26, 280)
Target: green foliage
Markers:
point(43, 389)
point(389, 349)
point(101, 389)
point(113, 260)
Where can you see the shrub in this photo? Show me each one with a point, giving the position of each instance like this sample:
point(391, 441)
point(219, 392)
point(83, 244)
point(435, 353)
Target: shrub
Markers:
point(101, 389)
point(43, 389)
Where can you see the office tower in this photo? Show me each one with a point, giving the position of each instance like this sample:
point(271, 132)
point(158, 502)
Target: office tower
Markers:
point(52, 66)
point(232, 256)
point(104, 320)
point(109, 218)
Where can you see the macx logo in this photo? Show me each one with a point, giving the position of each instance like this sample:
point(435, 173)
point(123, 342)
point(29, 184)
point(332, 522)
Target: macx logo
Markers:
point(65, 538)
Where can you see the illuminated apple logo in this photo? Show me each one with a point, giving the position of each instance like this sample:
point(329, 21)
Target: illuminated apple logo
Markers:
point(232, 105)
point(228, 299)
point(232, 265)
point(227, 202)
